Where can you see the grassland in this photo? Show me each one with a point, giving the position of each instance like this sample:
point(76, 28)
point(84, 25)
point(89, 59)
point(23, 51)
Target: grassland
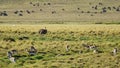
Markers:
point(63, 11)
point(72, 23)
point(52, 46)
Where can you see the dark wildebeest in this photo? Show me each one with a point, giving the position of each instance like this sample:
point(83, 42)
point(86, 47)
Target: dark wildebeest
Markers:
point(53, 12)
point(28, 11)
point(32, 50)
point(20, 14)
point(16, 12)
point(43, 31)
point(12, 59)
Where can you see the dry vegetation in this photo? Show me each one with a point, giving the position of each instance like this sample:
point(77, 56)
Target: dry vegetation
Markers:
point(61, 10)
point(65, 33)
point(51, 47)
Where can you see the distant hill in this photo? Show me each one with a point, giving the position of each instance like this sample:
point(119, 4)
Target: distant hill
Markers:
point(60, 10)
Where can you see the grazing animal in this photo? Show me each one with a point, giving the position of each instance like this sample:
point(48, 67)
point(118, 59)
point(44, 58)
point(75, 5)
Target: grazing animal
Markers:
point(49, 3)
point(114, 51)
point(114, 7)
point(40, 9)
point(100, 4)
point(28, 11)
point(37, 4)
point(12, 59)
point(32, 51)
point(4, 13)
point(96, 7)
point(21, 11)
point(31, 3)
point(88, 11)
point(14, 51)
point(43, 31)
point(117, 9)
point(32, 11)
point(53, 12)
point(82, 11)
point(67, 47)
point(63, 9)
point(16, 12)
point(109, 8)
point(20, 14)
point(78, 8)
point(104, 10)
point(9, 54)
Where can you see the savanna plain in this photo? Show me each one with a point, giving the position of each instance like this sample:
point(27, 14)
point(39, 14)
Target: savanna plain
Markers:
point(80, 34)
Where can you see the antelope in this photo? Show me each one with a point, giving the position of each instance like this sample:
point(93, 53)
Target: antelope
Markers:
point(32, 50)
point(12, 59)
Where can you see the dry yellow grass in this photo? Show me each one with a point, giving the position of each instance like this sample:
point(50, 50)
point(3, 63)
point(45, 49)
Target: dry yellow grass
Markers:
point(105, 37)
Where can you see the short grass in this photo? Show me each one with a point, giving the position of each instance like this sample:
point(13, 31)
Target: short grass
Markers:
point(52, 46)
point(70, 12)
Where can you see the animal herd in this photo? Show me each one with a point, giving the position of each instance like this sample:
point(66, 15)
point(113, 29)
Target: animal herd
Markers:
point(99, 8)
point(33, 51)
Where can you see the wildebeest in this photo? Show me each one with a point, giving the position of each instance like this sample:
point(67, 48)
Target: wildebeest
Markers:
point(82, 11)
point(114, 51)
point(63, 9)
point(104, 9)
point(78, 8)
point(40, 9)
point(117, 9)
point(16, 12)
point(9, 54)
point(96, 7)
point(114, 7)
point(43, 31)
point(21, 11)
point(3, 13)
point(100, 4)
point(53, 12)
point(49, 3)
point(12, 59)
point(32, 50)
point(28, 11)
point(20, 14)
point(109, 8)
point(67, 47)
point(31, 3)
point(14, 51)
point(37, 4)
